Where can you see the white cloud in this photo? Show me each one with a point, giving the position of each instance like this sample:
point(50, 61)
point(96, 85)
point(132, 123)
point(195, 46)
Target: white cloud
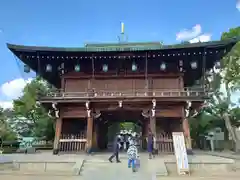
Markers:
point(186, 35)
point(193, 35)
point(234, 95)
point(6, 104)
point(238, 5)
point(12, 90)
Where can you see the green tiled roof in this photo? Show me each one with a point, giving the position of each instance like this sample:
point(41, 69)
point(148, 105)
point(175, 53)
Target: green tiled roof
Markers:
point(123, 46)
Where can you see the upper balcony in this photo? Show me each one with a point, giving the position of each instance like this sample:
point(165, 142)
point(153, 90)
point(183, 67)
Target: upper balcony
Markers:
point(129, 95)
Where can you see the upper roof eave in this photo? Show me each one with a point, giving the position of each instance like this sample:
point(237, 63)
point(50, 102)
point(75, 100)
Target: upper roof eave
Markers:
point(14, 47)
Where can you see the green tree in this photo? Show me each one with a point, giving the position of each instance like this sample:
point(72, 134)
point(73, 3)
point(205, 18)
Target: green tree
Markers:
point(225, 80)
point(30, 115)
point(6, 132)
point(232, 33)
point(200, 125)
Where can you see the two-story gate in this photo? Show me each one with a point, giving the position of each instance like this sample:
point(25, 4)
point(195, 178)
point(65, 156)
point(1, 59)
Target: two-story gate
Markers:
point(153, 79)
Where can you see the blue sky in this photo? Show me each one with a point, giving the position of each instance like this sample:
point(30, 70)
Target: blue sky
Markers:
point(74, 22)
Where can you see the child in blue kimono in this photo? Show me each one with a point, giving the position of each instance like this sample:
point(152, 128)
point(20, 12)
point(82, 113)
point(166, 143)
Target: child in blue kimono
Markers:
point(132, 153)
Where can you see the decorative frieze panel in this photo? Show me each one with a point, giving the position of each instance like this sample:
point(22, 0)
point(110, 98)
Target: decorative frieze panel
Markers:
point(73, 112)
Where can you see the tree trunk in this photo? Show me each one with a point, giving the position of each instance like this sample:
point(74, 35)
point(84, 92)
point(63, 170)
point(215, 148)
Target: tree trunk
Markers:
point(229, 127)
point(232, 132)
point(227, 120)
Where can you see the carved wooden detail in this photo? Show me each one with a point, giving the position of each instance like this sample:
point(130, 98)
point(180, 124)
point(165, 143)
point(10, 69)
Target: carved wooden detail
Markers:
point(173, 111)
point(73, 112)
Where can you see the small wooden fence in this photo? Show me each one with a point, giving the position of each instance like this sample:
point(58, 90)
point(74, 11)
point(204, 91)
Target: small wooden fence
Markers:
point(129, 93)
point(164, 143)
point(73, 143)
point(77, 143)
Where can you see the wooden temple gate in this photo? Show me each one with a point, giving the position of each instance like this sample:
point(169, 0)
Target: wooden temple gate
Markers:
point(156, 79)
point(78, 141)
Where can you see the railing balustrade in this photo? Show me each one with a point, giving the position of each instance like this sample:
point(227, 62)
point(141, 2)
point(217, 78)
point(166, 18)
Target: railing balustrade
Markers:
point(72, 142)
point(164, 142)
point(129, 93)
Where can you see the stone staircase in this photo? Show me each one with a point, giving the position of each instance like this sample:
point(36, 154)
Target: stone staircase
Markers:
point(102, 169)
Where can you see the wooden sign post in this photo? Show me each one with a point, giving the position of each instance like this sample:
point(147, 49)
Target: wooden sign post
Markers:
point(180, 153)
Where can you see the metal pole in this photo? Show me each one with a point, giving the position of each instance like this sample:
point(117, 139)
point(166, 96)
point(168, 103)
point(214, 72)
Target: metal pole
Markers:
point(38, 66)
point(146, 71)
point(203, 68)
point(93, 67)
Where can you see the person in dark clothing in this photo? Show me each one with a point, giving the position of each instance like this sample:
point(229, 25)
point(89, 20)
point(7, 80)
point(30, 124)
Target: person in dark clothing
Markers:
point(150, 141)
point(116, 147)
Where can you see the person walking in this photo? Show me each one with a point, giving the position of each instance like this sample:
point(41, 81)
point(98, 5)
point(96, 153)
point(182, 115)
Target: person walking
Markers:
point(116, 147)
point(132, 153)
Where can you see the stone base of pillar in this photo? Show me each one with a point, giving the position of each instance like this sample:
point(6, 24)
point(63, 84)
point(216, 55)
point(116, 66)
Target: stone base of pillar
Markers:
point(55, 151)
point(189, 151)
point(90, 151)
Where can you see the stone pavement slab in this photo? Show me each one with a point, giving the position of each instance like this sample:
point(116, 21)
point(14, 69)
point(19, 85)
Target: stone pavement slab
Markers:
point(157, 166)
point(24, 177)
point(224, 154)
point(108, 171)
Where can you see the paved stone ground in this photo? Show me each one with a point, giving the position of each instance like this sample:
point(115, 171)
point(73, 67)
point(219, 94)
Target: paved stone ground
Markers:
point(102, 169)
point(12, 177)
point(225, 154)
point(41, 157)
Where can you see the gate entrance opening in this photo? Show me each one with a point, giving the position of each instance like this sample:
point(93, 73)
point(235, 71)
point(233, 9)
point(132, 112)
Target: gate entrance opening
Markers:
point(112, 122)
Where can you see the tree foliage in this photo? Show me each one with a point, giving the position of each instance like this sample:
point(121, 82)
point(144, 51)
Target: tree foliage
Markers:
point(30, 116)
point(224, 80)
point(232, 33)
point(6, 132)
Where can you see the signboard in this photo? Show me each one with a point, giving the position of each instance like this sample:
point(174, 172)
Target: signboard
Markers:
point(180, 153)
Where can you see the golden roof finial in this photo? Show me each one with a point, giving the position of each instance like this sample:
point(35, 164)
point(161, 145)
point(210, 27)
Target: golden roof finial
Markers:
point(122, 28)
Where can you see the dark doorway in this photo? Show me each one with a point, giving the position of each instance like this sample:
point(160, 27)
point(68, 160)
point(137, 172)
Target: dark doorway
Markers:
point(112, 122)
point(168, 125)
point(74, 126)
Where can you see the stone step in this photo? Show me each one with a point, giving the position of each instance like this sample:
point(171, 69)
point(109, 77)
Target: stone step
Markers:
point(92, 167)
point(6, 166)
point(157, 167)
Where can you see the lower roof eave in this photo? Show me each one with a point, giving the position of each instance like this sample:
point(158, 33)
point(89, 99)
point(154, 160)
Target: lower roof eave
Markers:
point(133, 99)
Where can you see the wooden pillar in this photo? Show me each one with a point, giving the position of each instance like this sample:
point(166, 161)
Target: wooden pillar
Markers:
point(153, 125)
point(94, 138)
point(58, 130)
point(186, 131)
point(145, 127)
point(89, 132)
point(153, 128)
point(153, 118)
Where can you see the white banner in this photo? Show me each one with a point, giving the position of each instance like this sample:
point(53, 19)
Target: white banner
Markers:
point(180, 153)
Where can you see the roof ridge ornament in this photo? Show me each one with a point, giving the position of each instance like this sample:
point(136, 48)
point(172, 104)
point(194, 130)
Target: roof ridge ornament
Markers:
point(122, 38)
